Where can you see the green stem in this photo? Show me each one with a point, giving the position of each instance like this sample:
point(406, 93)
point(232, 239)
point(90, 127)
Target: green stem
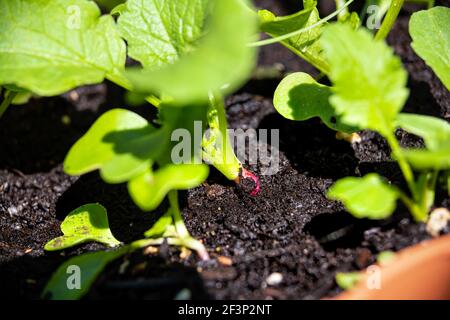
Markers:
point(217, 149)
point(389, 19)
point(9, 97)
point(428, 192)
point(404, 165)
point(344, 12)
point(176, 214)
point(416, 211)
point(184, 239)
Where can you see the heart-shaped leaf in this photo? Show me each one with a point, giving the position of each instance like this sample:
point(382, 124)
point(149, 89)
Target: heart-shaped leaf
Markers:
point(149, 189)
point(52, 46)
point(368, 197)
point(87, 223)
point(300, 97)
point(120, 143)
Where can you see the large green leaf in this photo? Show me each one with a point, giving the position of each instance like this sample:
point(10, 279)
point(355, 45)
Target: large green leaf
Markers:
point(87, 223)
point(159, 33)
point(368, 197)
point(84, 268)
point(306, 44)
point(120, 143)
point(219, 60)
point(369, 82)
point(149, 189)
point(429, 30)
point(300, 97)
point(51, 46)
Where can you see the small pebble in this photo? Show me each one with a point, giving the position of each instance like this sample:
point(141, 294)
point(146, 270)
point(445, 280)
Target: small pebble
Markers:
point(438, 221)
point(225, 261)
point(274, 279)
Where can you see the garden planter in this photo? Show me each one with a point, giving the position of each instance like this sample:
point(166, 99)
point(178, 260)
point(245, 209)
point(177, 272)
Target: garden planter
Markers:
point(420, 272)
point(267, 236)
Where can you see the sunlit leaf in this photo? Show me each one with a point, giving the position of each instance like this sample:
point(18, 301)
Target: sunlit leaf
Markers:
point(300, 97)
point(369, 83)
point(368, 197)
point(52, 46)
point(149, 189)
point(429, 30)
point(85, 224)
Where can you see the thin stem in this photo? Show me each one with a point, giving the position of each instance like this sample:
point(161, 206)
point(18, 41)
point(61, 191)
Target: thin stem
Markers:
point(416, 211)
point(9, 97)
point(340, 4)
point(404, 165)
point(428, 192)
point(389, 19)
point(176, 214)
point(303, 30)
point(217, 149)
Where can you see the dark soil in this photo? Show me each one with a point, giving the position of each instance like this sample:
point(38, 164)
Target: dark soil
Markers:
point(290, 227)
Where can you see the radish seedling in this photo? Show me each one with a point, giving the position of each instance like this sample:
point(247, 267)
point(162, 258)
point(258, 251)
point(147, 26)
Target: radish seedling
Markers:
point(369, 91)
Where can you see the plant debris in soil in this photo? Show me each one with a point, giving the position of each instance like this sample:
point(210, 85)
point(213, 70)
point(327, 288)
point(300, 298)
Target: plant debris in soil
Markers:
point(286, 243)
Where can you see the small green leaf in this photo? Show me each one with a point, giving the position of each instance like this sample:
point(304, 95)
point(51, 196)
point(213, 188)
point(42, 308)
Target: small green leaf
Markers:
point(435, 131)
point(120, 143)
point(368, 197)
point(299, 97)
point(219, 61)
point(306, 44)
point(161, 227)
point(52, 46)
point(348, 280)
point(426, 159)
point(89, 266)
point(149, 189)
point(87, 223)
point(369, 82)
point(159, 33)
point(429, 30)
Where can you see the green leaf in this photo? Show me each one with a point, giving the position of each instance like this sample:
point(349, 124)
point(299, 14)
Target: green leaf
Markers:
point(159, 33)
point(120, 143)
point(90, 266)
point(434, 131)
point(429, 30)
point(52, 46)
point(220, 60)
point(87, 223)
point(348, 280)
point(385, 257)
point(368, 197)
point(162, 227)
point(306, 44)
point(109, 4)
point(369, 82)
point(426, 160)
point(149, 189)
point(299, 97)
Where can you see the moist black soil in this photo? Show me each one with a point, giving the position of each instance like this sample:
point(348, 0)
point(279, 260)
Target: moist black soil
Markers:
point(290, 227)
